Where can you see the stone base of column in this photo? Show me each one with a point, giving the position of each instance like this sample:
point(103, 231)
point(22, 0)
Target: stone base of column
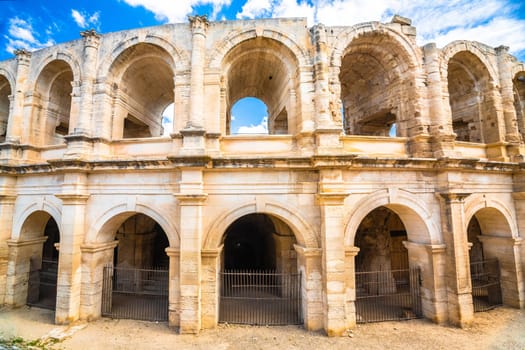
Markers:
point(460, 309)
point(497, 151)
point(309, 264)
point(174, 288)
point(210, 287)
point(420, 147)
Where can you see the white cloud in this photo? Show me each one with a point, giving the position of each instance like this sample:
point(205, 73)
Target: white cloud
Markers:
point(167, 11)
point(167, 120)
point(261, 128)
point(85, 20)
point(22, 36)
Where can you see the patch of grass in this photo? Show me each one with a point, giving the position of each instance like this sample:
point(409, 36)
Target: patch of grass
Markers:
point(18, 343)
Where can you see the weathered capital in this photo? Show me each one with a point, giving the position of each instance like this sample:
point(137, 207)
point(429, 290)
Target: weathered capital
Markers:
point(199, 24)
point(23, 56)
point(451, 197)
point(91, 38)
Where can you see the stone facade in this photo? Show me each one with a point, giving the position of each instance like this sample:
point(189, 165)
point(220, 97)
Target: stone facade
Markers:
point(81, 145)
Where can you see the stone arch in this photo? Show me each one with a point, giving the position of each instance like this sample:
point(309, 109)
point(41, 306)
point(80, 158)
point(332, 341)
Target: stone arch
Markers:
point(518, 84)
point(176, 54)
point(475, 48)
point(416, 218)
point(493, 216)
point(67, 57)
point(365, 60)
point(25, 221)
point(103, 228)
point(9, 76)
point(221, 49)
point(302, 230)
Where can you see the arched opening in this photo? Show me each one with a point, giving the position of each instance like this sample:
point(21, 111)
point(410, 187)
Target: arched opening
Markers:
point(5, 92)
point(519, 101)
point(143, 87)
point(249, 115)
point(485, 257)
point(260, 283)
point(168, 117)
point(136, 284)
point(264, 69)
point(471, 99)
point(54, 87)
point(37, 258)
point(376, 82)
point(386, 287)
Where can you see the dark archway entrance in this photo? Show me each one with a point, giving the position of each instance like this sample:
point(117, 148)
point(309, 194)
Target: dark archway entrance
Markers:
point(484, 271)
point(386, 287)
point(259, 280)
point(42, 284)
point(136, 285)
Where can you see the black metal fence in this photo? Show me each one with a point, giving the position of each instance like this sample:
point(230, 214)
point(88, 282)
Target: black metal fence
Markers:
point(42, 285)
point(388, 295)
point(486, 286)
point(139, 294)
point(260, 298)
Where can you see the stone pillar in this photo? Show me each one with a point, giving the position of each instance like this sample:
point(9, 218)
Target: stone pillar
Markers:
point(210, 284)
point(190, 202)
point(310, 267)
point(431, 259)
point(199, 27)
point(519, 204)
point(333, 259)
point(16, 118)
point(457, 270)
point(71, 237)
point(94, 257)
point(174, 287)
point(507, 251)
point(440, 123)
point(506, 85)
point(24, 256)
point(322, 93)
point(350, 310)
point(7, 204)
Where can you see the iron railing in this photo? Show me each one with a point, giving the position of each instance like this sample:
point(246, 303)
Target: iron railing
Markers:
point(486, 286)
point(260, 298)
point(139, 294)
point(388, 295)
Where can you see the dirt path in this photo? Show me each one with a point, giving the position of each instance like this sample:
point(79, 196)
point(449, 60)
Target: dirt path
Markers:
point(502, 328)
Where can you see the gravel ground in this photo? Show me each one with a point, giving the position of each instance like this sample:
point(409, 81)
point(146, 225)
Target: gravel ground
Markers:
point(501, 328)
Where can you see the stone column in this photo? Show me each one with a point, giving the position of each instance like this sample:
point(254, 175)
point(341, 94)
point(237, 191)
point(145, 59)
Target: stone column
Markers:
point(190, 205)
point(512, 135)
point(71, 237)
point(441, 124)
point(174, 287)
point(7, 204)
point(16, 118)
point(519, 204)
point(507, 251)
point(431, 259)
point(94, 257)
point(210, 284)
point(24, 256)
point(310, 267)
point(333, 259)
point(350, 310)
point(459, 285)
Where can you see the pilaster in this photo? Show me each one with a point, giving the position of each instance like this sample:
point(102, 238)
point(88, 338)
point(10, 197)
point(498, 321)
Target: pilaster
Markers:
point(211, 265)
point(94, 257)
point(16, 118)
point(69, 280)
point(322, 92)
point(331, 204)
point(350, 310)
point(459, 285)
point(190, 205)
point(7, 204)
point(174, 287)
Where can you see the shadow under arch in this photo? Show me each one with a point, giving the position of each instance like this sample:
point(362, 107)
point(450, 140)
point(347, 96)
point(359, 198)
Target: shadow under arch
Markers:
point(301, 229)
point(415, 217)
point(29, 221)
point(474, 48)
point(106, 225)
point(493, 216)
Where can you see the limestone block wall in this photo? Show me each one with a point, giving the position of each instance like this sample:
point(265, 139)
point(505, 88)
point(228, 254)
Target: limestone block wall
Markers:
point(360, 118)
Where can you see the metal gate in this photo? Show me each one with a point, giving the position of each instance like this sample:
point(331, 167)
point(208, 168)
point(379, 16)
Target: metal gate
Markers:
point(388, 295)
point(260, 298)
point(486, 286)
point(42, 285)
point(139, 294)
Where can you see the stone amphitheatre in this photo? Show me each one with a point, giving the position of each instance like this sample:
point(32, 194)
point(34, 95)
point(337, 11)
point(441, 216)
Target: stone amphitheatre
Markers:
point(390, 184)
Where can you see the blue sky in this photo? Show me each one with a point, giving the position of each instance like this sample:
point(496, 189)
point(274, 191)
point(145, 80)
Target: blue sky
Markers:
point(35, 24)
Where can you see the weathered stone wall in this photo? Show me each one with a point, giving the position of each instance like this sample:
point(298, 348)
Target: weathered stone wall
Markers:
point(80, 126)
